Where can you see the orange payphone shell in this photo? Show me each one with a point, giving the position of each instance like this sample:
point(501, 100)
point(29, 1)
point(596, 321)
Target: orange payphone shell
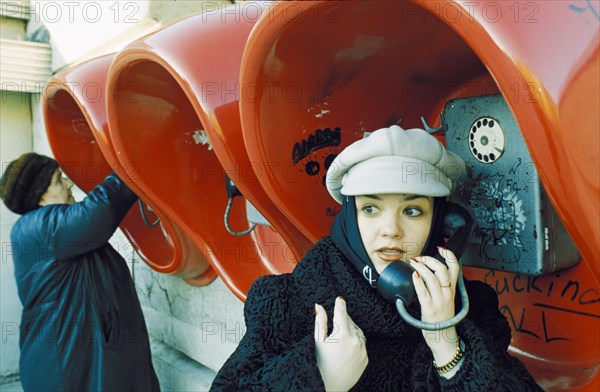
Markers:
point(361, 69)
point(175, 116)
point(77, 129)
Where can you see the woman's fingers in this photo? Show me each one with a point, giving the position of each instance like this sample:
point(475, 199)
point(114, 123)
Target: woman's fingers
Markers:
point(451, 261)
point(341, 357)
point(320, 323)
point(342, 322)
point(432, 278)
point(444, 276)
point(340, 315)
point(435, 285)
point(420, 288)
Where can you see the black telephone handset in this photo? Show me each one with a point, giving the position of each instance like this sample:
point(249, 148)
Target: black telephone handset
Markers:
point(231, 189)
point(395, 282)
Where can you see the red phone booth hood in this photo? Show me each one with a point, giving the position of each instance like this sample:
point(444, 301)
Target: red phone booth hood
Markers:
point(77, 129)
point(175, 115)
point(320, 74)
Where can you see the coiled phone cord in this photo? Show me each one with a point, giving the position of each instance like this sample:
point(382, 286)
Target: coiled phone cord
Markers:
point(144, 218)
point(228, 227)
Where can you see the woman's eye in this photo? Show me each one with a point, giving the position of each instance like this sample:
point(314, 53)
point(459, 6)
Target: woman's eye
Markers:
point(412, 211)
point(369, 210)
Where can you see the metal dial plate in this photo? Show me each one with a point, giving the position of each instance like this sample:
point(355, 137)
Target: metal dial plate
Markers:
point(486, 139)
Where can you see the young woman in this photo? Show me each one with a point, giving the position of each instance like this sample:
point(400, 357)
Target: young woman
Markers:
point(326, 327)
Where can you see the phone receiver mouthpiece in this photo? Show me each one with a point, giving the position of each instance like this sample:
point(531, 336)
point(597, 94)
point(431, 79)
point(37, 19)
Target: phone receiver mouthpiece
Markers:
point(395, 282)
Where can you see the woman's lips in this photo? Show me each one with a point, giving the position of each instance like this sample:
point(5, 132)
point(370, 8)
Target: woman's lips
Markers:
point(390, 254)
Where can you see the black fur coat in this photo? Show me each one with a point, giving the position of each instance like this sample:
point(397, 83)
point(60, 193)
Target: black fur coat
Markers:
point(277, 353)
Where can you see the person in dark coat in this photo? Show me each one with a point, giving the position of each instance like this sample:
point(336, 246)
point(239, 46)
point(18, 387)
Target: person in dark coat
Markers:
point(326, 327)
point(82, 327)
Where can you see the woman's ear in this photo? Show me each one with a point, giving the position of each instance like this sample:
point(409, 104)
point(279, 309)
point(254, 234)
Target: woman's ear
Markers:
point(43, 200)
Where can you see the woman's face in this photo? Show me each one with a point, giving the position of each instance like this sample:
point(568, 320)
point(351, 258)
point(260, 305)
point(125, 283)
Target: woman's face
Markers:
point(59, 190)
point(393, 227)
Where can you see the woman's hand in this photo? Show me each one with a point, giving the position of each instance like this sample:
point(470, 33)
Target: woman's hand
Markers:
point(435, 285)
point(341, 356)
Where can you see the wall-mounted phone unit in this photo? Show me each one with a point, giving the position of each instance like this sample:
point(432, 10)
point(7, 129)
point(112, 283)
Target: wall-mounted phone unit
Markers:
point(517, 228)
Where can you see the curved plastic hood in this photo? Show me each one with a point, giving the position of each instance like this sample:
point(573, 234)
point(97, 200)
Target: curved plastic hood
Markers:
point(177, 119)
point(318, 75)
point(78, 133)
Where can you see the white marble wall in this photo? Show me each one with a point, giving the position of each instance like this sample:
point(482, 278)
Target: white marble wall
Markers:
point(204, 323)
point(15, 138)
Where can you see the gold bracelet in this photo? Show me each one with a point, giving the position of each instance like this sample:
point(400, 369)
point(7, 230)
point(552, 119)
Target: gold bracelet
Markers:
point(452, 362)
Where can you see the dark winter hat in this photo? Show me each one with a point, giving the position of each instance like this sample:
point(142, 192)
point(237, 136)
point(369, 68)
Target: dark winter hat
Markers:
point(25, 180)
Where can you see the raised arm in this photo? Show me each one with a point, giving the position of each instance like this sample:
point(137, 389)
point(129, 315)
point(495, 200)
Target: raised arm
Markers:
point(81, 227)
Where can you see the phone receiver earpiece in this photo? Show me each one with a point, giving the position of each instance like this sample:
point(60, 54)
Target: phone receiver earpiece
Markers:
point(395, 282)
point(458, 228)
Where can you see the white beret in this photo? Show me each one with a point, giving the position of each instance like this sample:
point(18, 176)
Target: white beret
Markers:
point(394, 160)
